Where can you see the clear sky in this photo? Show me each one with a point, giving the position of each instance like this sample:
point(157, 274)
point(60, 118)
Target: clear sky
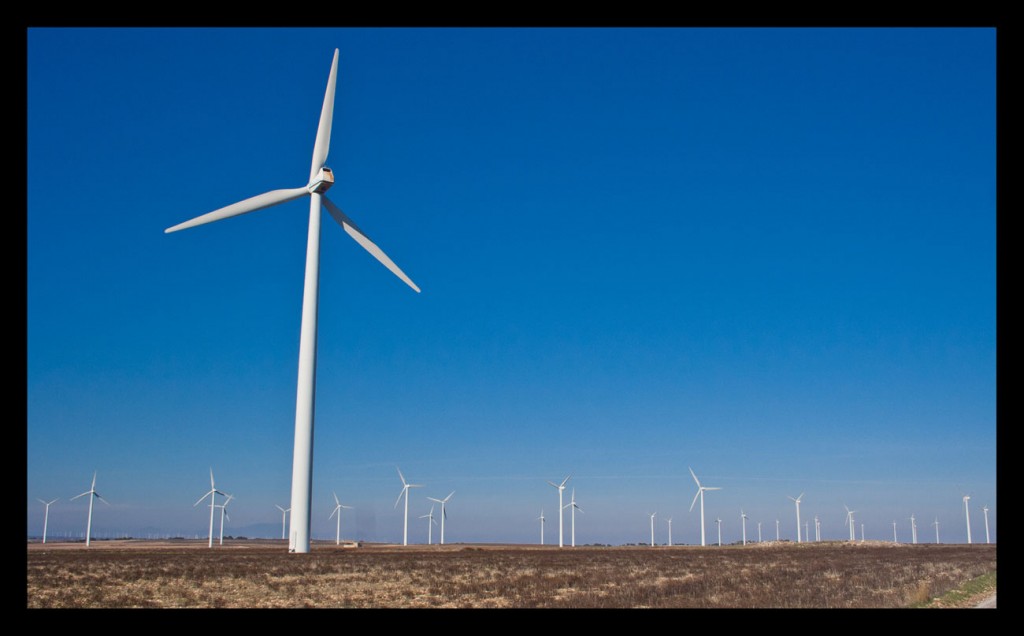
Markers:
point(768, 254)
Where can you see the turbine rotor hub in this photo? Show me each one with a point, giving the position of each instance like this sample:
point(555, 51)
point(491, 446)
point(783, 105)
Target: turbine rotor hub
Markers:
point(322, 181)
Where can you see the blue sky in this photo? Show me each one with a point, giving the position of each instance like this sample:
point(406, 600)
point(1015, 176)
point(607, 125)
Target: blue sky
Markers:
point(768, 254)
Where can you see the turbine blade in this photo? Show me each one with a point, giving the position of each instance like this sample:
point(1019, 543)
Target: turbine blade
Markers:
point(323, 131)
point(251, 204)
point(336, 498)
point(201, 498)
point(565, 480)
point(41, 501)
point(712, 487)
point(694, 477)
point(368, 245)
point(334, 511)
point(449, 496)
point(102, 499)
point(81, 495)
point(280, 508)
point(400, 475)
point(552, 483)
point(93, 487)
point(695, 500)
point(212, 487)
point(400, 496)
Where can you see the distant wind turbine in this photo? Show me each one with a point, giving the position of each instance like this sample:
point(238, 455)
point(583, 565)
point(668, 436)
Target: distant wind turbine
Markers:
point(895, 539)
point(46, 514)
point(92, 495)
point(284, 516)
point(936, 524)
point(700, 494)
point(212, 494)
point(320, 179)
point(224, 514)
point(817, 529)
point(430, 522)
point(405, 491)
point(652, 528)
point(967, 512)
point(862, 532)
point(777, 530)
point(541, 517)
point(797, 501)
point(759, 532)
point(985, 510)
point(849, 522)
point(670, 532)
point(337, 511)
point(743, 518)
point(444, 513)
point(560, 488)
point(719, 522)
point(572, 515)
point(913, 529)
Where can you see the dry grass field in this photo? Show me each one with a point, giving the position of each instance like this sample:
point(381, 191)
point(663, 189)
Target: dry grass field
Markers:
point(255, 574)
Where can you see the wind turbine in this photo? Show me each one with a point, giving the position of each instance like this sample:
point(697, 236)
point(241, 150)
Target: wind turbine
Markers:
point(797, 500)
point(224, 513)
point(337, 510)
point(743, 517)
point(894, 538)
point(652, 527)
point(849, 521)
point(670, 532)
point(405, 491)
point(967, 512)
point(430, 522)
point(284, 515)
point(700, 493)
point(719, 522)
point(212, 494)
point(320, 179)
point(444, 513)
point(572, 516)
point(759, 532)
point(913, 529)
point(985, 510)
point(817, 529)
point(560, 488)
point(777, 530)
point(92, 495)
point(46, 514)
point(541, 517)
point(862, 532)
point(936, 524)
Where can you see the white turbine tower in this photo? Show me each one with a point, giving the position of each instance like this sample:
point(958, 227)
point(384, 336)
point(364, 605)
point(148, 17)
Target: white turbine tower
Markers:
point(284, 517)
point(652, 528)
point(224, 514)
point(320, 179)
point(849, 521)
point(92, 495)
point(913, 529)
point(560, 488)
point(936, 524)
point(967, 512)
point(985, 510)
point(572, 516)
point(777, 530)
point(894, 537)
point(759, 532)
point(405, 491)
point(719, 522)
point(817, 529)
point(862, 532)
point(541, 517)
point(337, 511)
point(212, 494)
point(444, 513)
point(670, 532)
point(46, 514)
point(700, 493)
point(797, 501)
point(430, 522)
point(743, 518)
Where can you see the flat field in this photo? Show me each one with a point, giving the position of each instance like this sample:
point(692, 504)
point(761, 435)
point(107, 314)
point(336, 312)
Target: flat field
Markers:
point(253, 574)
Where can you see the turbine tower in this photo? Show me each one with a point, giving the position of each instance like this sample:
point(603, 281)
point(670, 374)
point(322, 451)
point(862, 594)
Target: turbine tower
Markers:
point(777, 530)
point(541, 517)
point(700, 493)
point(797, 501)
point(652, 528)
point(743, 518)
point(894, 538)
point(759, 532)
point(444, 513)
point(985, 510)
point(817, 529)
point(337, 510)
point(212, 494)
point(913, 529)
point(560, 488)
point(719, 522)
point(862, 532)
point(320, 179)
point(46, 514)
point(967, 512)
point(284, 516)
point(936, 524)
point(670, 532)
point(224, 514)
point(405, 491)
point(92, 495)
point(572, 516)
point(849, 521)
point(430, 522)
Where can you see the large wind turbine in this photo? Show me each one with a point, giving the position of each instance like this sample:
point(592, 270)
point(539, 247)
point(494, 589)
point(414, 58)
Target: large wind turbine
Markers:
point(337, 510)
point(444, 513)
point(817, 529)
point(430, 522)
point(797, 501)
point(652, 528)
point(560, 488)
point(849, 521)
point(224, 514)
point(670, 532)
point(985, 510)
point(700, 493)
point(92, 495)
point(46, 514)
point(212, 494)
point(320, 179)
point(284, 516)
point(572, 516)
point(405, 491)
point(967, 512)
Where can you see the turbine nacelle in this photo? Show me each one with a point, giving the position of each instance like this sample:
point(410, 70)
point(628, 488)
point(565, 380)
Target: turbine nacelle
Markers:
point(323, 180)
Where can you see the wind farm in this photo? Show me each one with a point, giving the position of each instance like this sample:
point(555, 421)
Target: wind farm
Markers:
point(642, 254)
